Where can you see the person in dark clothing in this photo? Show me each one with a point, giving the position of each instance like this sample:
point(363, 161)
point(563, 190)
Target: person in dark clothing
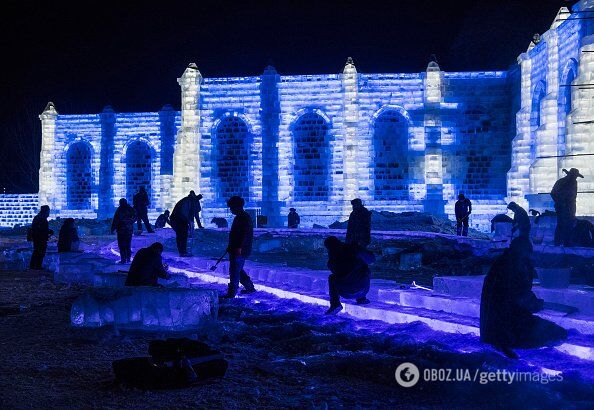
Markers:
point(147, 267)
point(241, 238)
point(68, 240)
point(293, 219)
point(521, 220)
point(583, 233)
point(564, 194)
point(359, 225)
point(181, 220)
point(40, 234)
point(350, 277)
point(162, 220)
point(123, 223)
point(508, 304)
point(141, 203)
point(463, 209)
point(500, 218)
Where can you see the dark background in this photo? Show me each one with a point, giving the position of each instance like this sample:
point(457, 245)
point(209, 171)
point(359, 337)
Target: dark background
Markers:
point(128, 54)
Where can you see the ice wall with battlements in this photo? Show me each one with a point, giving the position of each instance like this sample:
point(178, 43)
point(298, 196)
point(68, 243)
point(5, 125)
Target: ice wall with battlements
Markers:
point(399, 141)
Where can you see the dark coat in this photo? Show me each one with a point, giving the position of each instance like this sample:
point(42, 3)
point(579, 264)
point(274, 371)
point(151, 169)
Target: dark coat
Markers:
point(40, 231)
point(241, 235)
point(564, 194)
point(141, 202)
point(508, 303)
point(184, 211)
point(161, 221)
point(522, 221)
point(349, 263)
point(146, 269)
point(462, 208)
point(123, 220)
point(293, 219)
point(359, 227)
point(67, 237)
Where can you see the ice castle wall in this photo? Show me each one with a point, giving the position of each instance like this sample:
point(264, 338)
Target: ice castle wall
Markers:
point(401, 142)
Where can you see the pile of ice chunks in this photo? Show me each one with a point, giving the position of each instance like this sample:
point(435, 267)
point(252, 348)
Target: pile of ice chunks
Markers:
point(145, 308)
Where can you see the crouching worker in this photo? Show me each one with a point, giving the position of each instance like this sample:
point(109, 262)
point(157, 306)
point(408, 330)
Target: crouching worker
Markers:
point(68, 240)
point(162, 220)
point(147, 267)
point(508, 304)
point(349, 264)
point(241, 238)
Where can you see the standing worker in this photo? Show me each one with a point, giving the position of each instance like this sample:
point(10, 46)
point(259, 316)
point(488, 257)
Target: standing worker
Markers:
point(241, 237)
point(40, 234)
point(359, 225)
point(293, 219)
point(123, 224)
point(197, 209)
point(564, 194)
point(141, 203)
point(463, 209)
point(181, 220)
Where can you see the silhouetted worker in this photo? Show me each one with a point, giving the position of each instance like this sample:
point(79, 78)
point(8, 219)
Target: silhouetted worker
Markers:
point(583, 233)
point(40, 234)
point(508, 303)
point(293, 219)
point(521, 220)
point(147, 267)
point(162, 220)
point(359, 225)
point(350, 275)
point(463, 209)
point(141, 203)
point(181, 220)
point(68, 240)
point(564, 194)
point(241, 237)
point(123, 223)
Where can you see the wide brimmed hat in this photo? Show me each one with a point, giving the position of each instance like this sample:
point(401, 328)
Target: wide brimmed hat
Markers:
point(573, 171)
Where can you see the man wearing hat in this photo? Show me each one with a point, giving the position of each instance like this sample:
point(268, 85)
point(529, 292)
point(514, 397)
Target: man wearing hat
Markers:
point(293, 219)
point(359, 226)
point(241, 238)
point(564, 194)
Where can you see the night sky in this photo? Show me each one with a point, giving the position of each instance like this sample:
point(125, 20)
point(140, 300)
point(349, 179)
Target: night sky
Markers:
point(128, 54)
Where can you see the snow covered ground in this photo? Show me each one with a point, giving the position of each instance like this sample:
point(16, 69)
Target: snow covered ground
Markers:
point(282, 353)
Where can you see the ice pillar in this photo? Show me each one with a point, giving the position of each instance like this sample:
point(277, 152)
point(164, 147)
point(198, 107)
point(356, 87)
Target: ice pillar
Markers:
point(350, 89)
point(186, 158)
point(47, 170)
point(434, 202)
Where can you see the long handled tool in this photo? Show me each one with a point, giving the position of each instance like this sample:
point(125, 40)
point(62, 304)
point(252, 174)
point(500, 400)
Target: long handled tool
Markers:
point(214, 267)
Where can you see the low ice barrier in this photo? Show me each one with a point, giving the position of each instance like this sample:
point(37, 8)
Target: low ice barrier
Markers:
point(145, 308)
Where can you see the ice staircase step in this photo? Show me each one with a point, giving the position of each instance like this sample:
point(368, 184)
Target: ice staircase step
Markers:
point(578, 296)
point(471, 307)
point(145, 308)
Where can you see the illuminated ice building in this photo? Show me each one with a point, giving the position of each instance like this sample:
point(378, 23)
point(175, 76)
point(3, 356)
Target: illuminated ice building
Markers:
point(399, 141)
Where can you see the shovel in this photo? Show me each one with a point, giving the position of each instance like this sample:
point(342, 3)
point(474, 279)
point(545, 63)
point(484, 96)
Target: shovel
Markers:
point(214, 267)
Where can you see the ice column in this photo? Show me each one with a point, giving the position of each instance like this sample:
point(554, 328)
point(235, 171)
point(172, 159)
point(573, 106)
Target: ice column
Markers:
point(543, 170)
point(350, 87)
point(517, 177)
point(47, 172)
point(186, 158)
point(434, 201)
